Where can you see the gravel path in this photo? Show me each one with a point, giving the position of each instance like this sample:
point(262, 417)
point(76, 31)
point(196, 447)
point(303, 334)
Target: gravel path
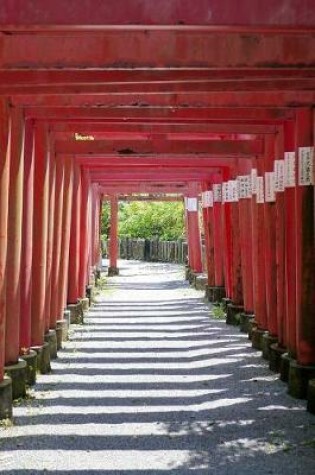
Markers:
point(152, 384)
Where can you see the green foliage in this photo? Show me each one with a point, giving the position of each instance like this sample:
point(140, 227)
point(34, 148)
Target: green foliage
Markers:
point(139, 219)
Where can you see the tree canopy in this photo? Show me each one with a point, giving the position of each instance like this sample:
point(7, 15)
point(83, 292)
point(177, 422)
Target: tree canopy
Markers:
point(140, 219)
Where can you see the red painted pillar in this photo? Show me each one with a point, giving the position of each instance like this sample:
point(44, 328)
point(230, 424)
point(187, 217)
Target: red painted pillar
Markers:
point(227, 240)
point(74, 250)
point(56, 313)
point(84, 234)
point(27, 241)
point(113, 247)
point(50, 234)
point(245, 219)
point(280, 239)
point(65, 243)
point(207, 215)
point(194, 241)
point(258, 244)
point(5, 155)
point(13, 274)
point(270, 237)
point(40, 231)
point(290, 235)
point(305, 238)
point(218, 235)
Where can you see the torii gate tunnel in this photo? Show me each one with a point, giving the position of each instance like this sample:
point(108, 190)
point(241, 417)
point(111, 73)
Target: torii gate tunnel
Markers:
point(206, 99)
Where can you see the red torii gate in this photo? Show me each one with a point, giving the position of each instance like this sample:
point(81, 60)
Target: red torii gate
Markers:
point(224, 109)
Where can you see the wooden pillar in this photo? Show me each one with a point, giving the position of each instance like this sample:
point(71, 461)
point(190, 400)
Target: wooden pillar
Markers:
point(74, 250)
point(207, 215)
point(84, 234)
point(27, 241)
point(113, 247)
point(40, 232)
point(13, 274)
point(5, 155)
point(194, 241)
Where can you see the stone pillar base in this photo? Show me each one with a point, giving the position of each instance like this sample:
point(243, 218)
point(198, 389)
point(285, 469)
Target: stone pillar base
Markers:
point(43, 358)
point(311, 396)
point(233, 314)
point(6, 398)
point(299, 377)
point(76, 313)
point(112, 271)
point(31, 367)
point(214, 294)
point(90, 294)
point(17, 373)
point(187, 272)
point(60, 329)
point(257, 338)
point(225, 302)
point(267, 341)
point(275, 353)
point(200, 282)
point(85, 304)
point(245, 319)
point(51, 338)
point(66, 326)
point(284, 367)
point(252, 325)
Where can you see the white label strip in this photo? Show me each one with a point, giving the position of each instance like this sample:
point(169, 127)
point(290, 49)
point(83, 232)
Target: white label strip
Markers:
point(233, 191)
point(191, 204)
point(260, 198)
point(225, 192)
point(207, 199)
point(270, 193)
point(279, 175)
point(217, 193)
point(306, 166)
point(254, 181)
point(289, 169)
point(244, 186)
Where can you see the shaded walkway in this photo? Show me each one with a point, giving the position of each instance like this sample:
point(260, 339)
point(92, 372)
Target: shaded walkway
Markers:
point(152, 385)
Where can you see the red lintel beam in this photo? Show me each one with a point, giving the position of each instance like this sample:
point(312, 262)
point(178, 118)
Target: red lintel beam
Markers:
point(128, 147)
point(154, 161)
point(27, 13)
point(185, 47)
point(156, 113)
point(191, 99)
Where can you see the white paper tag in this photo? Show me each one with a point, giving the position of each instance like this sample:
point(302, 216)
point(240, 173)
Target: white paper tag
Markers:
point(306, 166)
point(207, 199)
point(270, 193)
point(279, 175)
point(254, 181)
point(289, 169)
point(225, 192)
point(217, 193)
point(244, 186)
point(191, 204)
point(260, 197)
point(233, 191)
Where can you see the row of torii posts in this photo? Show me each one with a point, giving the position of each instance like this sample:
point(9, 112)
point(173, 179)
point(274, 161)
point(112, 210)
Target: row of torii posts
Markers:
point(49, 250)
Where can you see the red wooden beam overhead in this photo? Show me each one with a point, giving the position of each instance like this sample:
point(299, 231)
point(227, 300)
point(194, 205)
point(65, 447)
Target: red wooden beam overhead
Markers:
point(161, 113)
point(129, 147)
point(160, 99)
point(141, 48)
point(164, 12)
point(192, 161)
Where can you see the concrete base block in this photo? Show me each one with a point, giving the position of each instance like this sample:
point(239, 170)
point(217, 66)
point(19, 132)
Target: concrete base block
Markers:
point(17, 373)
point(51, 338)
point(275, 353)
point(31, 367)
point(257, 338)
point(90, 294)
point(85, 303)
point(201, 282)
point(225, 302)
point(267, 341)
point(299, 376)
point(214, 294)
point(311, 396)
point(187, 272)
point(284, 367)
point(66, 326)
point(252, 325)
point(61, 327)
point(43, 358)
point(6, 398)
point(112, 271)
point(76, 313)
point(233, 313)
point(245, 319)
